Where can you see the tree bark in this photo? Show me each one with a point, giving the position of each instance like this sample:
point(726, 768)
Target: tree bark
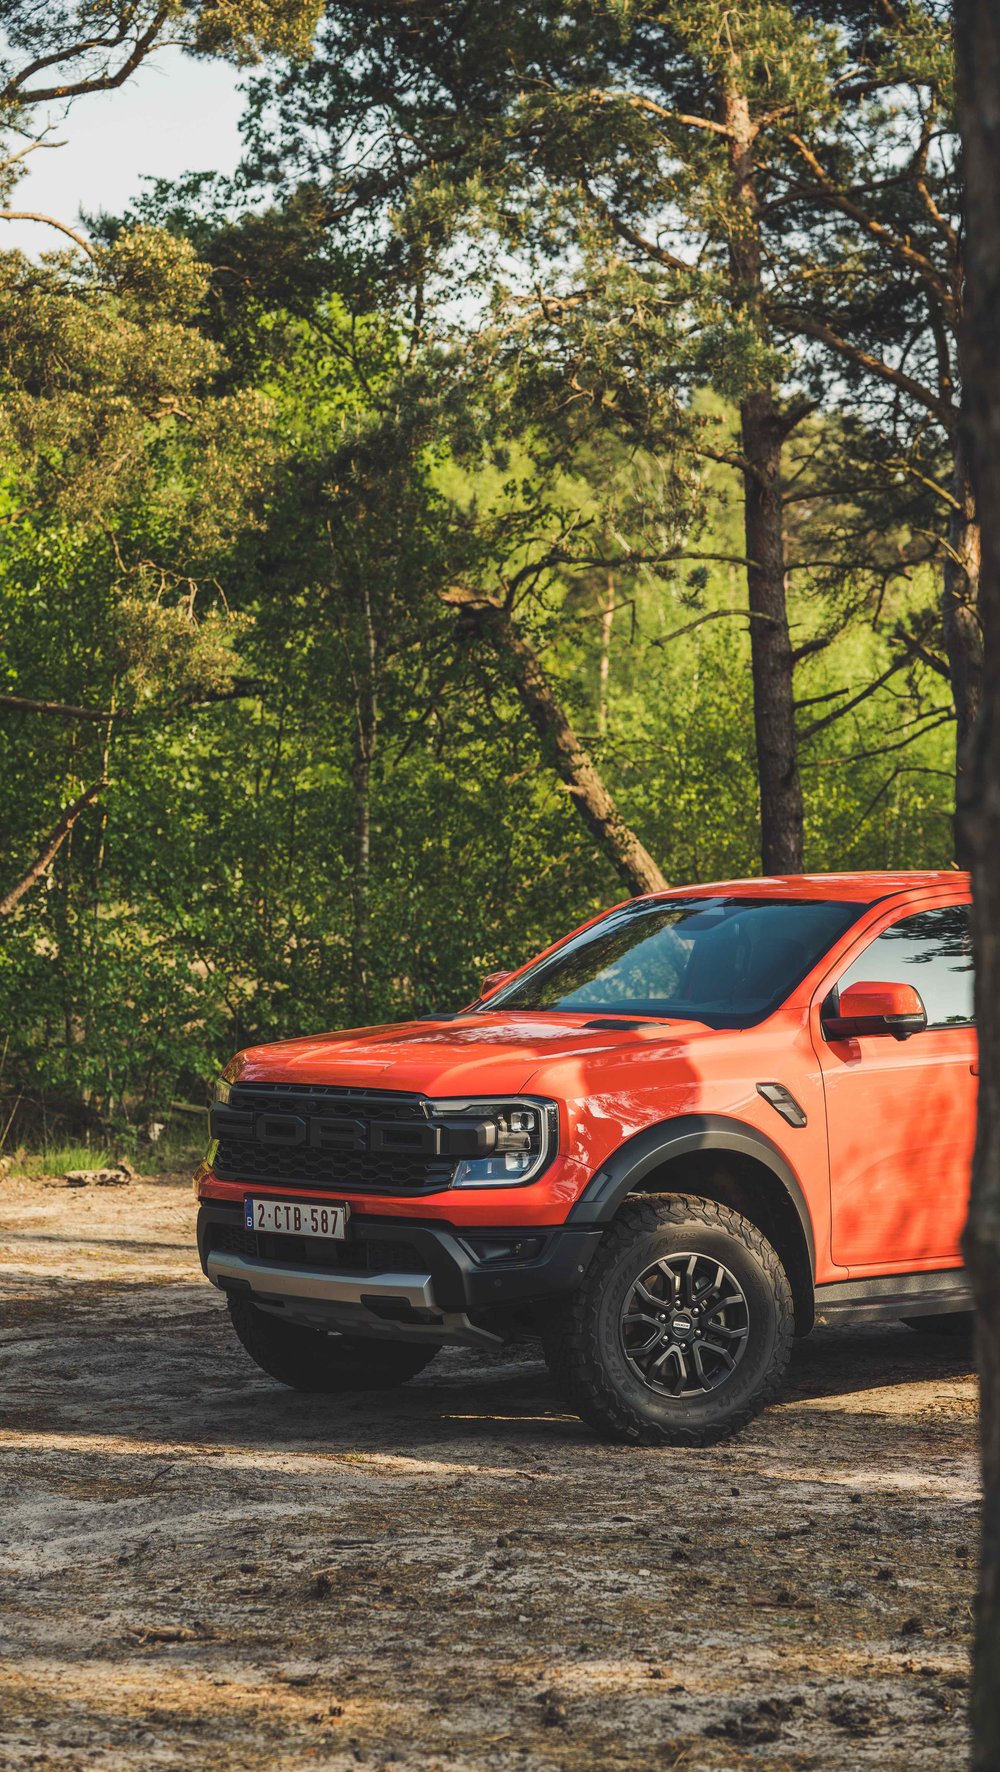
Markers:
point(50, 848)
point(961, 624)
point(366, 716)
point(781, 818)
point(628, 856)
point(604, 662)
point(977, 39)
point(764, 431)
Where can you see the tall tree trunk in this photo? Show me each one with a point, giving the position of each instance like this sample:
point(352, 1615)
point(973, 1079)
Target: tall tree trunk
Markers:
point(365, 745)
point(781, 822)
point(560, 745)
point(604, 663)
point(764, 431)
point(977, 39)
point(960, 618)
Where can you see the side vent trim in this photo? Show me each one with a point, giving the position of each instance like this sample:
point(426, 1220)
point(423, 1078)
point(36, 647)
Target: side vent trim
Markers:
point(784, 1103)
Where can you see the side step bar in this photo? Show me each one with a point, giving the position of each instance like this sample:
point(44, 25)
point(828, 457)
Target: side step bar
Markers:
point(894, 1295)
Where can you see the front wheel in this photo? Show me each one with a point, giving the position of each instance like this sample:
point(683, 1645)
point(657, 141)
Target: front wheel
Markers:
point(312, 1360)
point(682, 1330)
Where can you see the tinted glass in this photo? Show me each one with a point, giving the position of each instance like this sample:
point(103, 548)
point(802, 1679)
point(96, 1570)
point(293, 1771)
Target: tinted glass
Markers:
point(725, 961)
point(933, 952)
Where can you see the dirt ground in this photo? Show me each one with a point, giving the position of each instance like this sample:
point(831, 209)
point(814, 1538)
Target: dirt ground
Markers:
point(201, 1569)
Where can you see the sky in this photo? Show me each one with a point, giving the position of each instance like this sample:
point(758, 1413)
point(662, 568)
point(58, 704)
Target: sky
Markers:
point(175, 115)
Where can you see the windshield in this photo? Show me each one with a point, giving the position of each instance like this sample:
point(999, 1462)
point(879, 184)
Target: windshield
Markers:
point(725, 961)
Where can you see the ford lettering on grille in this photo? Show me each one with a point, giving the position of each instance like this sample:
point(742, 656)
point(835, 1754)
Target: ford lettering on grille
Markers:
point(377, 1143)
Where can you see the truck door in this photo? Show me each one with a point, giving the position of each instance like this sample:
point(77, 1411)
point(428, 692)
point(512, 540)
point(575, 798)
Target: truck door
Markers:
point(901, 1113)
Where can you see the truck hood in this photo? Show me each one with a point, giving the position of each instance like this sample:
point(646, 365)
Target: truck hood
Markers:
point(471, 1054)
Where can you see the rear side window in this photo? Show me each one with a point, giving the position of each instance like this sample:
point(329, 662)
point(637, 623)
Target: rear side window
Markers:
point(931, 951)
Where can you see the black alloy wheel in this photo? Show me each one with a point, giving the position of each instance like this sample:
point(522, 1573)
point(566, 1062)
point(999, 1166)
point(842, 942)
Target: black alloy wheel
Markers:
point(685, 1324)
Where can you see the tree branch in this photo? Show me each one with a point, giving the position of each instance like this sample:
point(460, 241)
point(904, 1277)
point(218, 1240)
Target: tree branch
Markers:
point(639, 103)
point(50, 222)
point(943, 719)
point(40, 95)
point(877, 366)
point(238, 690)
point(50, 848)
point(855, 700)
point(62, 709)
point(918, 649)
point(57, 56)
point(622, 228)
point(900, 248)
point(711, 615)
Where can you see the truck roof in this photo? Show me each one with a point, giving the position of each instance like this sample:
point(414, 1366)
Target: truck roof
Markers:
point(864, 887)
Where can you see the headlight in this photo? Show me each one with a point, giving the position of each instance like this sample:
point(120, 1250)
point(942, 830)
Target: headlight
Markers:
point(222, 1091)
point(498, 1143)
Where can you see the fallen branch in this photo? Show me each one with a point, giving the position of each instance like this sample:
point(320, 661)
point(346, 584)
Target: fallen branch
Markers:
point(484, 618)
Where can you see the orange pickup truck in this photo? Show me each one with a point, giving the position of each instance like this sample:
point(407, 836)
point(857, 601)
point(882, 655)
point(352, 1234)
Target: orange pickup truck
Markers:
point(684, 1134)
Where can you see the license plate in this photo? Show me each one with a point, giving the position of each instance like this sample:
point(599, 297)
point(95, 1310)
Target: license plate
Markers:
point(296, 1218)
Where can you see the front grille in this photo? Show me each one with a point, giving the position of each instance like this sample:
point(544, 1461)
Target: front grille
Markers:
point(373, 1255)
point(359, 1173)
point(245, 1158)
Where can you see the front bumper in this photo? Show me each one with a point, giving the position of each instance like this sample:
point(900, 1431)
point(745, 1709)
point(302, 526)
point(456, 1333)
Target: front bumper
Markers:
point(396, 1277)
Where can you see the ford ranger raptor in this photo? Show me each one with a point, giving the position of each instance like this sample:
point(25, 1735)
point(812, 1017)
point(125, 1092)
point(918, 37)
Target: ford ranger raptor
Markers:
point(694, 1128)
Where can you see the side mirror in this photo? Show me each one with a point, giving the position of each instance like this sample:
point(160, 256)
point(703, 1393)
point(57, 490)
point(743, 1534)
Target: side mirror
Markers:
point(873, 1008)
point(494, 980)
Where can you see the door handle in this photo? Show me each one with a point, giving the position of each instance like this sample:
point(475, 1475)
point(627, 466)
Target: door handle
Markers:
point(974, 1067)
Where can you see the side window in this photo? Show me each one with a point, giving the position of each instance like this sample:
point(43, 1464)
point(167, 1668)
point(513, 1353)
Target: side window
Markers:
point(933, 952)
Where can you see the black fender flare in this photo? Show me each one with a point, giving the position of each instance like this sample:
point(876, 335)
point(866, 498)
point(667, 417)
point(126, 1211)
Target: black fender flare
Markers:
point(622, 1173)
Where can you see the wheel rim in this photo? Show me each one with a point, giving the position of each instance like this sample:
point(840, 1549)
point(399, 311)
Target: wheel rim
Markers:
point(684, 1325)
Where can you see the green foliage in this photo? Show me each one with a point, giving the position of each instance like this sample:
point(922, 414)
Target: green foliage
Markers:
point(210, 900)
point(69, 48)
point(248, 456)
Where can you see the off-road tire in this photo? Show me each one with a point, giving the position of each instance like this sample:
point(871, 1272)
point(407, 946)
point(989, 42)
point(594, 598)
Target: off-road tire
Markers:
point(948, 1323)
point(311, 1360)
point(583, 1342)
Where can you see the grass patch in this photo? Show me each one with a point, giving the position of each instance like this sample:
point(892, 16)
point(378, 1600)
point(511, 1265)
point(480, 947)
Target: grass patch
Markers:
point(180, 1148)
point(57, 1159)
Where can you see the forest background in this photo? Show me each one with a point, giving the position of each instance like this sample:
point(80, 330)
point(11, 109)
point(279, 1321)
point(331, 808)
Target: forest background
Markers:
point(533, 477)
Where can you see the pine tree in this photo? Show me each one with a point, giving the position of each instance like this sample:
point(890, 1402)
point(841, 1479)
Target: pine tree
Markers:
point(866, 272)
point(597, 182)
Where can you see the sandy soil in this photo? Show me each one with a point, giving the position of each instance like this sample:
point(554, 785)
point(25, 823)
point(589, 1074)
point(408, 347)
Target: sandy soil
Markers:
point(200, 1569)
